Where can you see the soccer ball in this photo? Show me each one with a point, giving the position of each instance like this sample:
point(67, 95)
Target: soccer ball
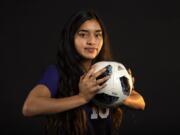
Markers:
point(118, 87)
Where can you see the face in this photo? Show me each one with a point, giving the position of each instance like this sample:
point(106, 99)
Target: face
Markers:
point(88, 39)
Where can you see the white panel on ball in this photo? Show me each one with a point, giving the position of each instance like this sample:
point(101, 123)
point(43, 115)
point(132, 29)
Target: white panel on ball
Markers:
point(119, 86)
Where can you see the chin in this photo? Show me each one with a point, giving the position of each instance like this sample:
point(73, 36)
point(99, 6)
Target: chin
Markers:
point(90, 57)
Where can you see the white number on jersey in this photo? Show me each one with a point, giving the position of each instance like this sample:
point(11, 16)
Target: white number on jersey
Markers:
point(102, 115)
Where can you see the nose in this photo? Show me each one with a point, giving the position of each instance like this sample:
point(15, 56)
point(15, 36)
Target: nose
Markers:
point(91, 40)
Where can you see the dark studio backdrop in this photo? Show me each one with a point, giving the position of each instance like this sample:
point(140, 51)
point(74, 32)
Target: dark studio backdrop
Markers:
point(144, 37)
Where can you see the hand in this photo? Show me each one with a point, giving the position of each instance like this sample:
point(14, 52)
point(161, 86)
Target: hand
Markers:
point(89, 85)
point(135, 100)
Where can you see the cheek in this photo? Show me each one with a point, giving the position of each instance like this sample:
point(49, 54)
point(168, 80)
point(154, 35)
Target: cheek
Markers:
point(78, 44)
point(100, 45)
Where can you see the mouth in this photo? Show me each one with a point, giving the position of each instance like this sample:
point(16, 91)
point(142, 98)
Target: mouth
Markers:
point(91, 50)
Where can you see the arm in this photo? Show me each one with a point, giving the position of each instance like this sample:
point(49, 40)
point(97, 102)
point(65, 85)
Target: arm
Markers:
point(135, 100)
point(39, 101)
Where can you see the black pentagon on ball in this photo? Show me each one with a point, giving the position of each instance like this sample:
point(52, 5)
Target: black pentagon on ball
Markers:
point(125, 85)
point(105, 99)
point(106, 73)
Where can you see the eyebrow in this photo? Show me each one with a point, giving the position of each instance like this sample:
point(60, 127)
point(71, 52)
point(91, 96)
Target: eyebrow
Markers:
point(83, 30)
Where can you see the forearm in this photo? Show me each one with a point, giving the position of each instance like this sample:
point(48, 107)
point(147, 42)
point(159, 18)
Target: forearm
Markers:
point(135, 100)
point(45, 105)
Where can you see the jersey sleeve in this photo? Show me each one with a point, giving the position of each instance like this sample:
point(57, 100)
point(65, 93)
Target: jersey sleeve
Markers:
point(50, 78)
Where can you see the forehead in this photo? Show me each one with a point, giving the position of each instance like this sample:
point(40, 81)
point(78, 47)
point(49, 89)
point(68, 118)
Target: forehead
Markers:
point(91, 25)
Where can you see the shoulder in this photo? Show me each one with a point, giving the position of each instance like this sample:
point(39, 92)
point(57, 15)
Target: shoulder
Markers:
point(51, 78)
point(52, 68)
point(52, 72)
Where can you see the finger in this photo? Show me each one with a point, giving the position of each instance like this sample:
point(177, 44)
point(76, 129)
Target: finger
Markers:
point(133, 80)
point(129, 71)
point(103, 86)
point(99, 87)
point(89, 73)
point(82, 77)
point(98, 73)
point(100, 81)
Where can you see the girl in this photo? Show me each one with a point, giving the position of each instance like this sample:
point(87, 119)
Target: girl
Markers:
point(65, 91)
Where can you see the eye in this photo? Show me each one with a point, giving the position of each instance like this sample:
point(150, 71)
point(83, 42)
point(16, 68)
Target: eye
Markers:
point(82, 35)
point(98, 35)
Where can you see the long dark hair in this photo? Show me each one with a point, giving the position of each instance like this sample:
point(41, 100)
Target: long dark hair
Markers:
point(74, 121)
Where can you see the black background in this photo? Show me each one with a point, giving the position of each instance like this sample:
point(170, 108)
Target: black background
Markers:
point(144, 37)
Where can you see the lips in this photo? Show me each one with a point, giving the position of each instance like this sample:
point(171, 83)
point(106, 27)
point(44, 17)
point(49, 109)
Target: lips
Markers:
point(91, 50)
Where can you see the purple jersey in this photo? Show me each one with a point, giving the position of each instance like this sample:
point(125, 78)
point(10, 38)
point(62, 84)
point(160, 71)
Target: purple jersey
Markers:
point(51, 78)
point(98, 122)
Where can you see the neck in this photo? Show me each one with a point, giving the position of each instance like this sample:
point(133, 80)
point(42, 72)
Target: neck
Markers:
point(86, 65)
